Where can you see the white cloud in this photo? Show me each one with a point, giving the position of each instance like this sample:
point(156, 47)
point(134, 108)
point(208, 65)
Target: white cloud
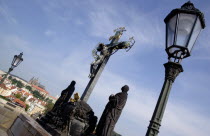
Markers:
point(146, 28)
point(101, 18)
point(182, 121)
point(49, 33)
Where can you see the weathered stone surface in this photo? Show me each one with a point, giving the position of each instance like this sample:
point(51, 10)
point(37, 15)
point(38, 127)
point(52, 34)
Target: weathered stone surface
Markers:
point(78, 119)
point(7, 117)
point(26, 126)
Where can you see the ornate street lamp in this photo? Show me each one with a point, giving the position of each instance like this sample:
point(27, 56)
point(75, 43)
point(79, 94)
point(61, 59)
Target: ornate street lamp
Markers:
point(16, 61)
point(182, 29)
point(183, 26)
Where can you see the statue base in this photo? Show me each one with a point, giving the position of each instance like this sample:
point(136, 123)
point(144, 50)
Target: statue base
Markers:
point(49, 128)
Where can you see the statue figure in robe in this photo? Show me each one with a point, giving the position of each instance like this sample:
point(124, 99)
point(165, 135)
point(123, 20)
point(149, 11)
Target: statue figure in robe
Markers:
point(65, 96)
point(69, 118)
point(112, 113)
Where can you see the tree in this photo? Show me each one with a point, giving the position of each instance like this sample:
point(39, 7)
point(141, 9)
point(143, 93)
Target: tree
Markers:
point(14, 81)
point(19, 84)
point(48, 100)
point(23, 99)
point(29, 88)
point(38, 95)
point(10, 78)
point(49, 107)
point(27, 107)
point(18, 95)
point(5, 98)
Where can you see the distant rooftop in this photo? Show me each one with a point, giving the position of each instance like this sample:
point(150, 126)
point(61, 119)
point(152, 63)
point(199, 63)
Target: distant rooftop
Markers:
point(40, 89)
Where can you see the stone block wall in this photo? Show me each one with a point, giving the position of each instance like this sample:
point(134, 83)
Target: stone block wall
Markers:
point(26, 126)
point(7, 117)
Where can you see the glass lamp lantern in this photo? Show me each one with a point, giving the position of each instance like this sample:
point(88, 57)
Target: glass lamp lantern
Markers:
point(183, 26)
point(17, 60)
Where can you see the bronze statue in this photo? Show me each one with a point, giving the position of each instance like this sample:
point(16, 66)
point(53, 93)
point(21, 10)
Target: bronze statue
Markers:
point(99, 53)
point(82, 121)
point(70, 118)
point(105, 50)
point(65, 96)
point(112, 112)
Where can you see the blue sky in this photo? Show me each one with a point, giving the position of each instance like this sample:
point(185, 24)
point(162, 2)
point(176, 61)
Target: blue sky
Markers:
point(57, 38)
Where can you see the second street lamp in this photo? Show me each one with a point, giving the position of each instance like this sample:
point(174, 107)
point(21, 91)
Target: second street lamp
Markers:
point(16, 61)
point(183, 26)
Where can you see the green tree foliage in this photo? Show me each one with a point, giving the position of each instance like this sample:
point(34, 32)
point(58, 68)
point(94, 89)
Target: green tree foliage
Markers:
point(5, 98)
point(49, 107)
point(27, 107)
point(23, 99)
point(48, 100)
point(29, 88)
point(14, 81)
point(38, 95)
point(10, 78)
point(18, 95)
point(19, 84)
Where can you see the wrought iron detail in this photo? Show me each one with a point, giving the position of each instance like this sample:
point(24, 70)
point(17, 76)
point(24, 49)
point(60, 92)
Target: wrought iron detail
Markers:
point(189, 6)
point(155, 127)
point(172, 70)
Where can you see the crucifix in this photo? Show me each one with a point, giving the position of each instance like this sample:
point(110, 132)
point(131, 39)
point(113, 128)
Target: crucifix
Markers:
point(101, 54)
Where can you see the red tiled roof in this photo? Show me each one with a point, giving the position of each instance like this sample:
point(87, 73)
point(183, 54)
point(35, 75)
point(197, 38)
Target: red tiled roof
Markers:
point(3, 86)
point(25, 93)
point(53, 97)
point(43, 103)
point(39, 100)
point(10, 97)
point(40, 89)
point(20, 102)
point(13, 87)
point(32, 99)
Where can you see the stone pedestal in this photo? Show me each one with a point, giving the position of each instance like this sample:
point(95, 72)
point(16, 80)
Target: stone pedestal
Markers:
point(26, 126)
point(50, 129)
point(7, 117)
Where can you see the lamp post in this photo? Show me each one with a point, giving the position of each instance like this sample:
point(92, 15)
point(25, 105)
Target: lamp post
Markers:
point(183, 26)
point(16, 61)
